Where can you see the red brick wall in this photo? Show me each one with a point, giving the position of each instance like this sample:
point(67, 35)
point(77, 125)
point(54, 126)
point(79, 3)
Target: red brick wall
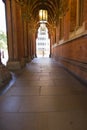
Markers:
point(73, 55)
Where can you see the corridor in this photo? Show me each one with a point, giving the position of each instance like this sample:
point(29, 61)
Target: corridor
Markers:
point(44, 97)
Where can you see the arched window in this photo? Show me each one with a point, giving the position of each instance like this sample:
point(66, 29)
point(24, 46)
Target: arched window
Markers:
point(76, 14)
point(61, 27)
point(3, 35)
point(79, 13)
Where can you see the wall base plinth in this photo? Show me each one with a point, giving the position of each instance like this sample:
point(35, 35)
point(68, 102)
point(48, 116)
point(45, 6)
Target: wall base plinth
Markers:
point(16, 65)
point(5, 75)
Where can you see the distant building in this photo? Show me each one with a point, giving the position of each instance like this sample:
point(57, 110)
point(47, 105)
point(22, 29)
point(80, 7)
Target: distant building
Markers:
point(43, 42)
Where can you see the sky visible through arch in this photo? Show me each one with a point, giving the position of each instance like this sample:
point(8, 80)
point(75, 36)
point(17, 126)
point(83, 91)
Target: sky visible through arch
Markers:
point(2, 17)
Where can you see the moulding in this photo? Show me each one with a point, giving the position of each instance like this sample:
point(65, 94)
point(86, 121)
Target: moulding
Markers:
point(72, 39)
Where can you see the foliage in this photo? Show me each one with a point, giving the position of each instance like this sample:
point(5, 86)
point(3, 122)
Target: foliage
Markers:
point(3, 40)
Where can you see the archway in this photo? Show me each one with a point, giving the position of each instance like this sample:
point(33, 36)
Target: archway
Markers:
point(42, 41)
point(3, 35)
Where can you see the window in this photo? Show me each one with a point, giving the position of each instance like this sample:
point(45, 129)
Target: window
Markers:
point(61, 27)
point(79, 12)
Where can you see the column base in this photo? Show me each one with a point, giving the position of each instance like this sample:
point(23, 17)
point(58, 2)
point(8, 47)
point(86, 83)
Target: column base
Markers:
point(29, 59)
point(16, 65)
point(5, 75)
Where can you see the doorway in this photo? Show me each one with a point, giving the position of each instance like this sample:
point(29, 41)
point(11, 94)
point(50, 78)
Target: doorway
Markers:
point(3, 35)
point(42, 42)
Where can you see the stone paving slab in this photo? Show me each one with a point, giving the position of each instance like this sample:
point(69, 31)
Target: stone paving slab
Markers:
point(44, 97)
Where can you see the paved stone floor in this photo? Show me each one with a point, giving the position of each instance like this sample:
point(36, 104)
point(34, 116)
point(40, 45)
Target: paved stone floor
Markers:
point(44, 97)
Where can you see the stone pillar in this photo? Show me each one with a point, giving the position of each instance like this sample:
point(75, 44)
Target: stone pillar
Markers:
point(20, 35)
point(11, 33)
point(31, 46)
point(29, 42)
point(9, 29)
point(35, 36)
point(14, 29)
point(34, 42)
point(51, 43)
point(14, 34)
point(25, 30)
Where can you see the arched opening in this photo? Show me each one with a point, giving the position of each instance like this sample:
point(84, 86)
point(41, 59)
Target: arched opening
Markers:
point(3, 35)
point(42, 41)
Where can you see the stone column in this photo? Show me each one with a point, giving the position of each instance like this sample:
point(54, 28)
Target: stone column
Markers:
point(51, 43)
point(25, 30)
point(31, 45)
point(34, 42)
point(29, 42)
point(15, 34)
point(9, 29)
point(11, 33)
point(20, 35)
point(14, 29)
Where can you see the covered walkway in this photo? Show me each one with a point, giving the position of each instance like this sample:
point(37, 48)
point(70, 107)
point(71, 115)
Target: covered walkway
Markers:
point(44, 97)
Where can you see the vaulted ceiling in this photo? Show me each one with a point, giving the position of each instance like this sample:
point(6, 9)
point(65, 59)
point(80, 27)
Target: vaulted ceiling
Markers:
point(30, 10)
point(50, 5)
